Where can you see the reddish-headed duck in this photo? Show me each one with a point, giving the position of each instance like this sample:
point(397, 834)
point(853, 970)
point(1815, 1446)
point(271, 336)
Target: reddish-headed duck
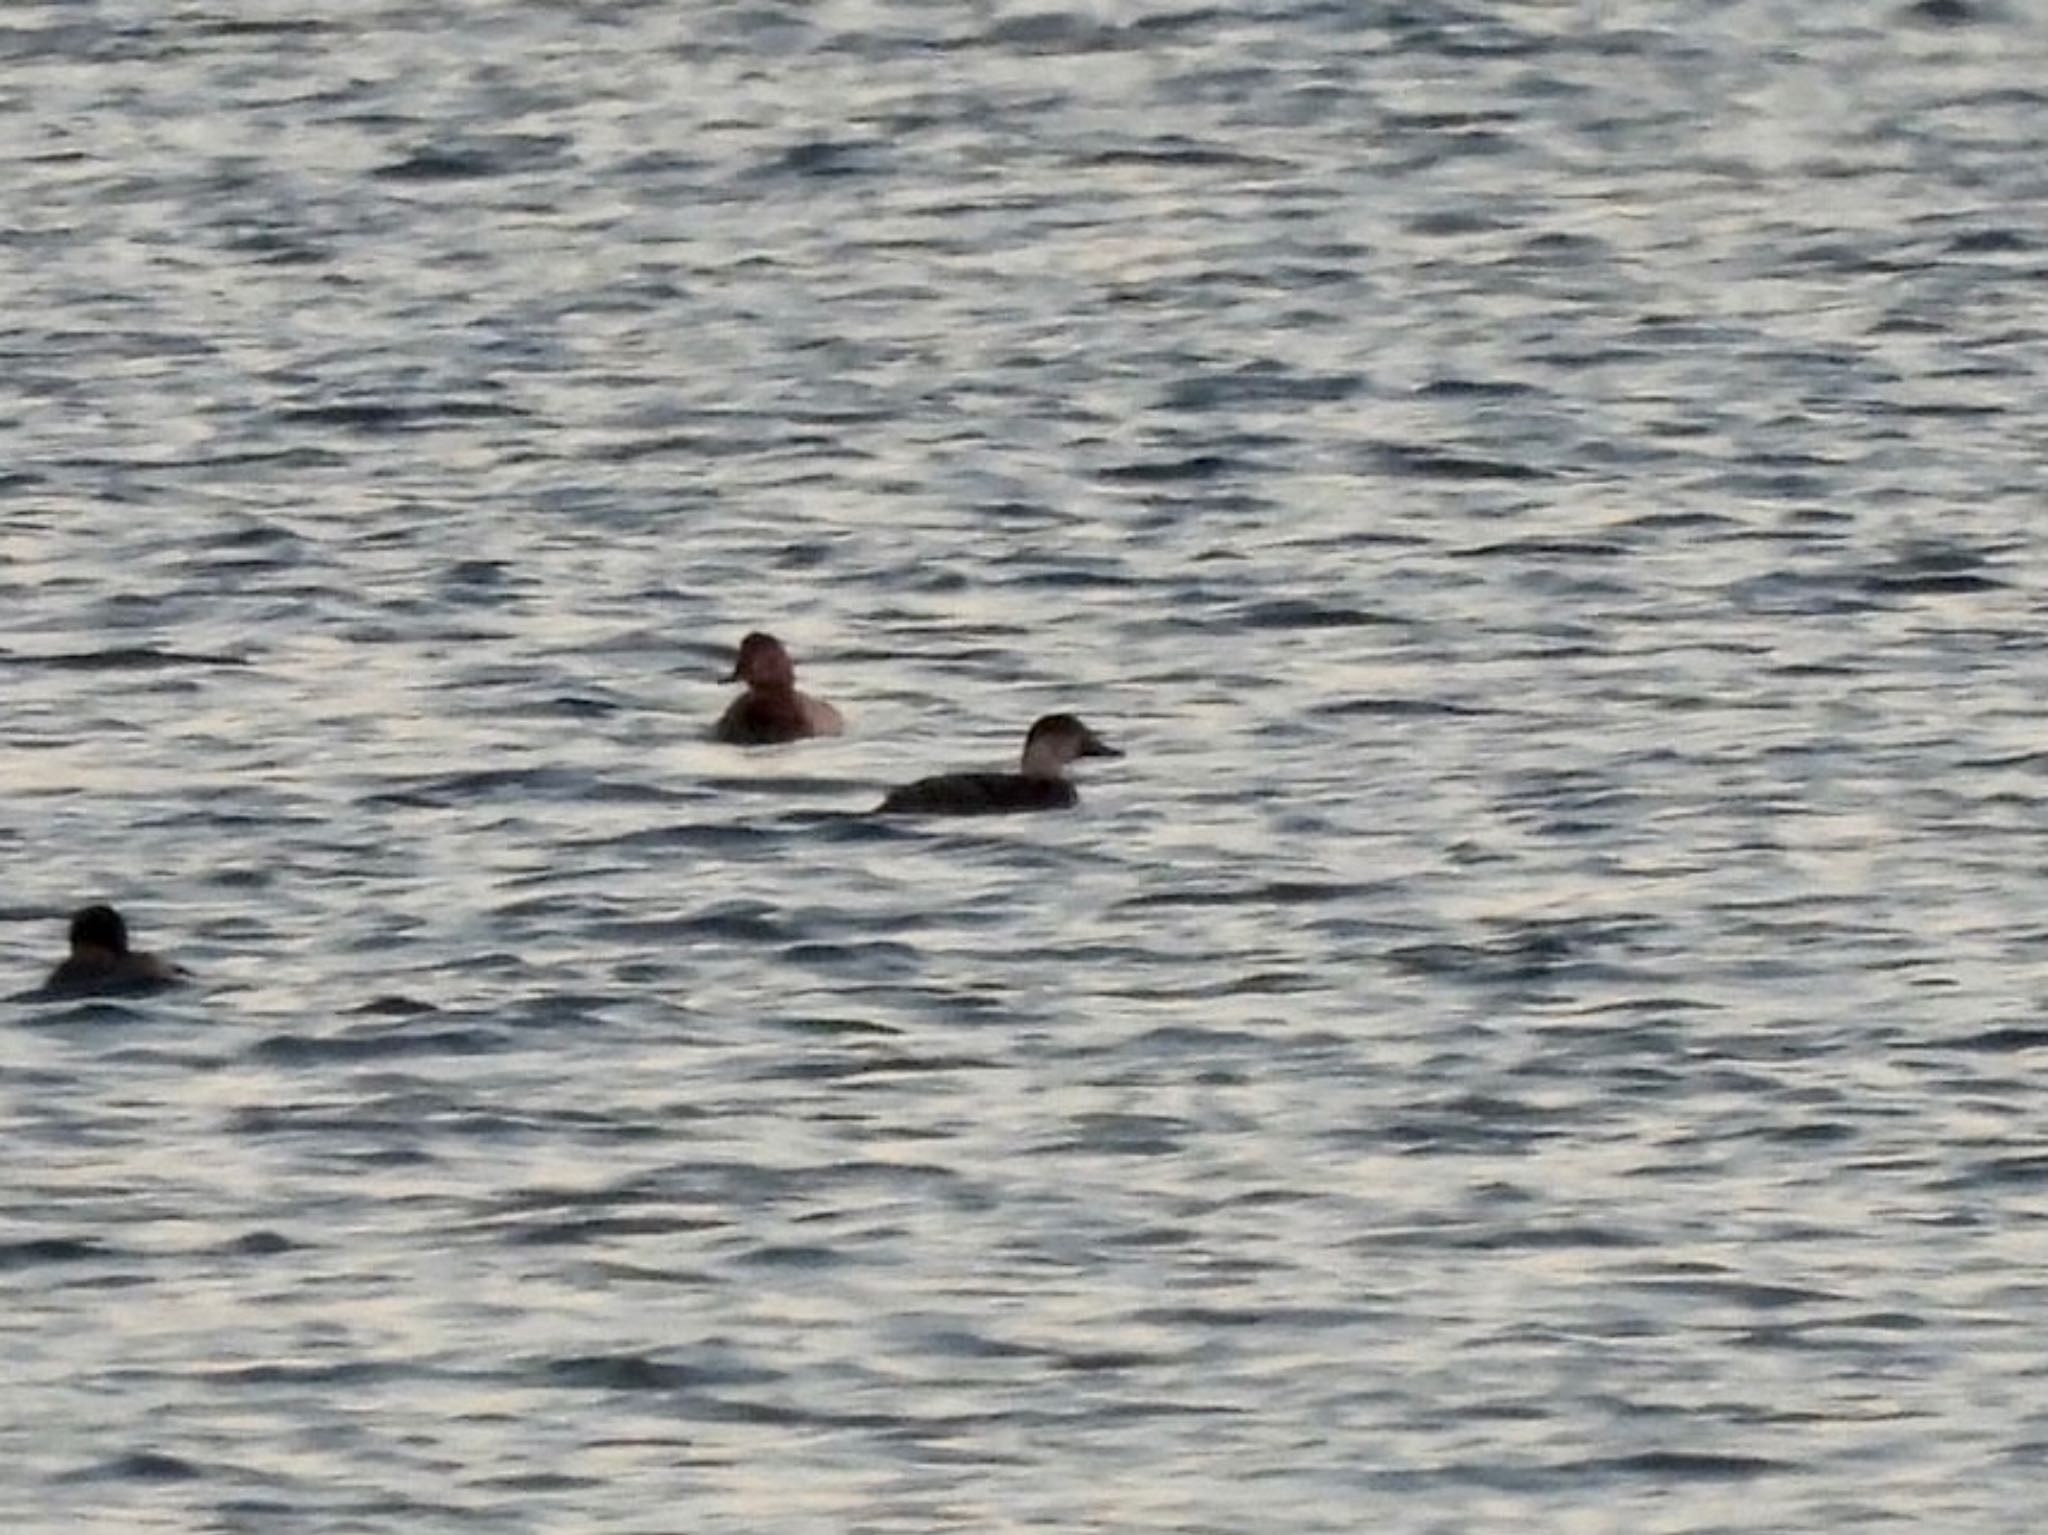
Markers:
point(101, 963)
point(772, 710)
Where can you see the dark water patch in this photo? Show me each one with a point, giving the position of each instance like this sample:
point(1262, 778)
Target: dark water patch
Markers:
point(1055, 32)
point(259, 1244)
point(1454, 223)
point(1301, 613)
point(478, 159)
point(2004, 1041)
point(119, 658)
point(963, 1343)
point(1681, 521)
point(1679, 1465)
point(737, 922)
point(33, 1252)
point(1472, 1123)
point(808, 1256)
point(1512, 961)
point(1474, 388)
point(599, 1228)
point(1748, 1294)
point(536, 1482)
point(575, 707)
point(1541, 547)
point(1073, 579)
point(2000, 241)
point(1403, 708)
point(1196, 467)
point(1109, 1361)
point(364, 1045)
point(1260, 384)
point(867, 960)
point(334, 1372)
point(1414, 461)
point(1817, 1132)
point(1192, 1043)
point(1267, 893)
point(1545, 1236)
point(728, 837)
point(392, 1006)
point(283, 26)
point(822, 159)
point(1810, 593)
point(63, 1007)
point(1178, 151)
point(834, 1028)
point(138, 1466)
point(641, 1372)
point(392, 416)
point(1894, 583)
point(444, 791)
point(1258, 983)
point(1131, 1135)
point(1947, 13)
point(871, 1066)
point(2021, 1170)
point(1277, 1317)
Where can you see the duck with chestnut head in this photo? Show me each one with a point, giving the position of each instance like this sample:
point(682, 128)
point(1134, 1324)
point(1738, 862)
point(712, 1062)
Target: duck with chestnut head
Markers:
point(772, 711)
point(102, 964)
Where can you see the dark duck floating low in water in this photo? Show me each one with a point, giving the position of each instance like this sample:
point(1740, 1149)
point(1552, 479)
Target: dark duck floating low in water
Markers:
point(1042, 784)
point(101, 963)
point(771, 710)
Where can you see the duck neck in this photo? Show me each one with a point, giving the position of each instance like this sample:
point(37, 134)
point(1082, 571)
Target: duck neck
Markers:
point(1043, 760)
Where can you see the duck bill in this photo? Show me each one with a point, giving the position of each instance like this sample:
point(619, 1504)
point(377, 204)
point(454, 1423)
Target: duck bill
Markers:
point(1095, 746)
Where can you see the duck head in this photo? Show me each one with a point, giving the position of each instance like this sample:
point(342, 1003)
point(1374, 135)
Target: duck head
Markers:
point(1058, 739)
point(98, 929)
point(763, 662)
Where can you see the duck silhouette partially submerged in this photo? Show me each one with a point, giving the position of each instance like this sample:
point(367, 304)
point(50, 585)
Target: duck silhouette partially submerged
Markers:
point(771, 710)
point(1041, 784)
point(101, 963)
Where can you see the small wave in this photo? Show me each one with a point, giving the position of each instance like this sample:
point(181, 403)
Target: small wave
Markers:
point(640, 1372)
point(1685, 1465)
point(40, 1250)
point(139, 1466)
point(496, 156)
point(375, 416)
point(1945, 13)
point(119, 658)
point(820, 159)
point(2006, 1040)
point(1427, 463)
point(1257, 385)
point(302, 1050)
point(1300, 613)
point(1199, 466)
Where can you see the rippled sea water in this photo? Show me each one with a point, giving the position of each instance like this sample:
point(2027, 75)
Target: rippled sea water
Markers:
point(1543, 1030)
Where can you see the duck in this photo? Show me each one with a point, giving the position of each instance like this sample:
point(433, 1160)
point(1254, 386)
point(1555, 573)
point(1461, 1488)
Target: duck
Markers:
point(102, 964)
point(772, 711)
point(1040, 784)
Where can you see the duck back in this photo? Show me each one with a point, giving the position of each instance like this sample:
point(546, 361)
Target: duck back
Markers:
point(763, 719)
point(980, 794)
point(111, 975)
